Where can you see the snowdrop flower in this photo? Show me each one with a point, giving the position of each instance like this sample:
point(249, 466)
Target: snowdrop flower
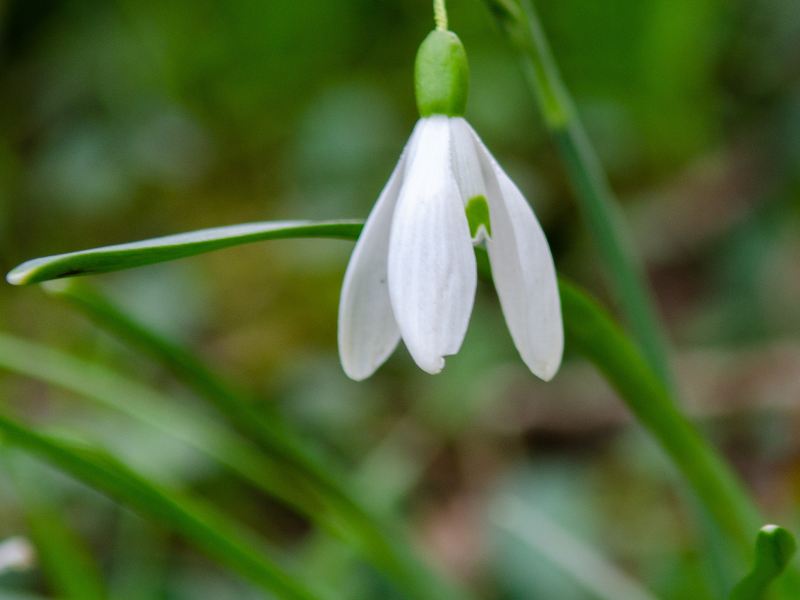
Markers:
point(412, 274)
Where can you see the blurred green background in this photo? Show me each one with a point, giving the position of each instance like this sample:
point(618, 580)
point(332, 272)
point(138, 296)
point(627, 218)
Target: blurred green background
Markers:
point(122, 120)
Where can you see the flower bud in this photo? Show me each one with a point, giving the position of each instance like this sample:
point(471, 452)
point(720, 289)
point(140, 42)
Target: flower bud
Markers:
point(441, 75)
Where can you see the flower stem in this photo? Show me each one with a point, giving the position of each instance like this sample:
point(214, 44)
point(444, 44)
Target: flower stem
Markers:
point(596, 200)
point(440, 15)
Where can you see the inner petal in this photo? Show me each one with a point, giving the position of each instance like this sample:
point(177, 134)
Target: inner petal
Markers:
point(469, 178)
point(466, 165)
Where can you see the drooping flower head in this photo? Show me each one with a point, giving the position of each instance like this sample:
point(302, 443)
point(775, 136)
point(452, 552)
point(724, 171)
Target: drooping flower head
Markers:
point(412, 275)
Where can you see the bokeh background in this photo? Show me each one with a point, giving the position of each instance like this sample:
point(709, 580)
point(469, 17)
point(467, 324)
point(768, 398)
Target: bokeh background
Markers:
point(122, 120)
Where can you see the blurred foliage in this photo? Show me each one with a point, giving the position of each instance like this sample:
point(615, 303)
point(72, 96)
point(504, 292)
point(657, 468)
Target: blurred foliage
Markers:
point(124, 120)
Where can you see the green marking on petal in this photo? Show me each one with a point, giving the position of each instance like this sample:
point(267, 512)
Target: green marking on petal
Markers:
point(478, 215)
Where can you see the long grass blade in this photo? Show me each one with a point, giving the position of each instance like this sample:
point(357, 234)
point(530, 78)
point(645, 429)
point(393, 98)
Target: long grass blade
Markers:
point(171, 247)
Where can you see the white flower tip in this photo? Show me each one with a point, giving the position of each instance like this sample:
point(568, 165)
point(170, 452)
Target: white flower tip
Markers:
point(356, 374)
point(431, 365)
point(546, 371)
point(545, 366)
point(358, 366)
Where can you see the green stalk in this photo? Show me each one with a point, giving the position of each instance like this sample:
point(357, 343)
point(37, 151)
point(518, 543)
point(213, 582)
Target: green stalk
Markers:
point(596, 200)
point(378, 538)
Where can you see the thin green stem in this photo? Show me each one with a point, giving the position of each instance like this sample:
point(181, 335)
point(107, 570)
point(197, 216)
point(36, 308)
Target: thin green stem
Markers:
point(440, 15)
point(596, 199)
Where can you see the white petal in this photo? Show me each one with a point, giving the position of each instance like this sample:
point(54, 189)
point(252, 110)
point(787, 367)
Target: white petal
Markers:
point(368, 332)
point(523, 272)
point(432, 273)
point(466, 165)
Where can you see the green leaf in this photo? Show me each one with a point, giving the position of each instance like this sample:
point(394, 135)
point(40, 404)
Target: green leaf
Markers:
point(199, 524)
point(171, 247)
point(775, 547)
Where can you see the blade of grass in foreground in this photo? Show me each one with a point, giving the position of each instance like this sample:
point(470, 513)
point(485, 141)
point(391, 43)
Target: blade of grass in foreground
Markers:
point(379, 539)
point(171, 247)
point(199, 524)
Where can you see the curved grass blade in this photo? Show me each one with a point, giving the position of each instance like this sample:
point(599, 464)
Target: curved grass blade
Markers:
point(775, 548)
point(577, 560)
point(198, 523)
point(378, 539)
point(171, 247)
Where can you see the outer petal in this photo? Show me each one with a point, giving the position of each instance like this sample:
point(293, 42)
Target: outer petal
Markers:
point(432, 273)
point(523, 272)
point(368, 332)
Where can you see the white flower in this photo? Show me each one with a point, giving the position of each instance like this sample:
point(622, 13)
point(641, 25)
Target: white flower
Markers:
point(412, 274)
